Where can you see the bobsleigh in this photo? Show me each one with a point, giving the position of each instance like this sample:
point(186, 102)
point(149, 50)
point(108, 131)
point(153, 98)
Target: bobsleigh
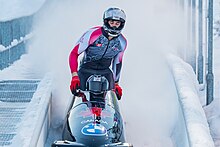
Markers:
point(94, 119)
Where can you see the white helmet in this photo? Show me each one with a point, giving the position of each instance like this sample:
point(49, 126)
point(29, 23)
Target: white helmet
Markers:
point(114, 14)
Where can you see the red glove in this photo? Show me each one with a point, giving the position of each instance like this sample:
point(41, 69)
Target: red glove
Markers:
point(75, 83)
point(118, 91)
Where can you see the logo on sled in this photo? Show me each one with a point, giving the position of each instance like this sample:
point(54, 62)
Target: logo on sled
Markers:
point(94, 130)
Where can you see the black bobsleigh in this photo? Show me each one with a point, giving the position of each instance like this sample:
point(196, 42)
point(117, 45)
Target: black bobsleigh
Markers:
point(94, 119)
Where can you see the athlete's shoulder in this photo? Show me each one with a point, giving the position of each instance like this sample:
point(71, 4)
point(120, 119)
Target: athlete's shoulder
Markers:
point(123, 41)
point(91, 30)
point(95, 32)
point(123, 37)
point(90, 35)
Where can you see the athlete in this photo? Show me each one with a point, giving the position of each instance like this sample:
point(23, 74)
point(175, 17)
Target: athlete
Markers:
point(103, 48)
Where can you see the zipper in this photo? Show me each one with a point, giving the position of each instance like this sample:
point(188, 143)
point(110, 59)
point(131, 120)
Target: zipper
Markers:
point(105, 50)
point(103, 53)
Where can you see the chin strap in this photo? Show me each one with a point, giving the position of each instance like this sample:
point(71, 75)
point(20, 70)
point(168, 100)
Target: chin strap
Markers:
point(112, 35)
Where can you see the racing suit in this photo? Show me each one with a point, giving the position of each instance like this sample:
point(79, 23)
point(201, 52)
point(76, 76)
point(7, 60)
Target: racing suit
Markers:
point(101, 56)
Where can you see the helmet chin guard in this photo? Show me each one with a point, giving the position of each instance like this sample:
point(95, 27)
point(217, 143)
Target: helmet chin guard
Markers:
point(114, 14)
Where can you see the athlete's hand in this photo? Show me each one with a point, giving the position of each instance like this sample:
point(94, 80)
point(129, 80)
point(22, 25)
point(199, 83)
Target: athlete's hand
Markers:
point(118, 91)
point(75, 83)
